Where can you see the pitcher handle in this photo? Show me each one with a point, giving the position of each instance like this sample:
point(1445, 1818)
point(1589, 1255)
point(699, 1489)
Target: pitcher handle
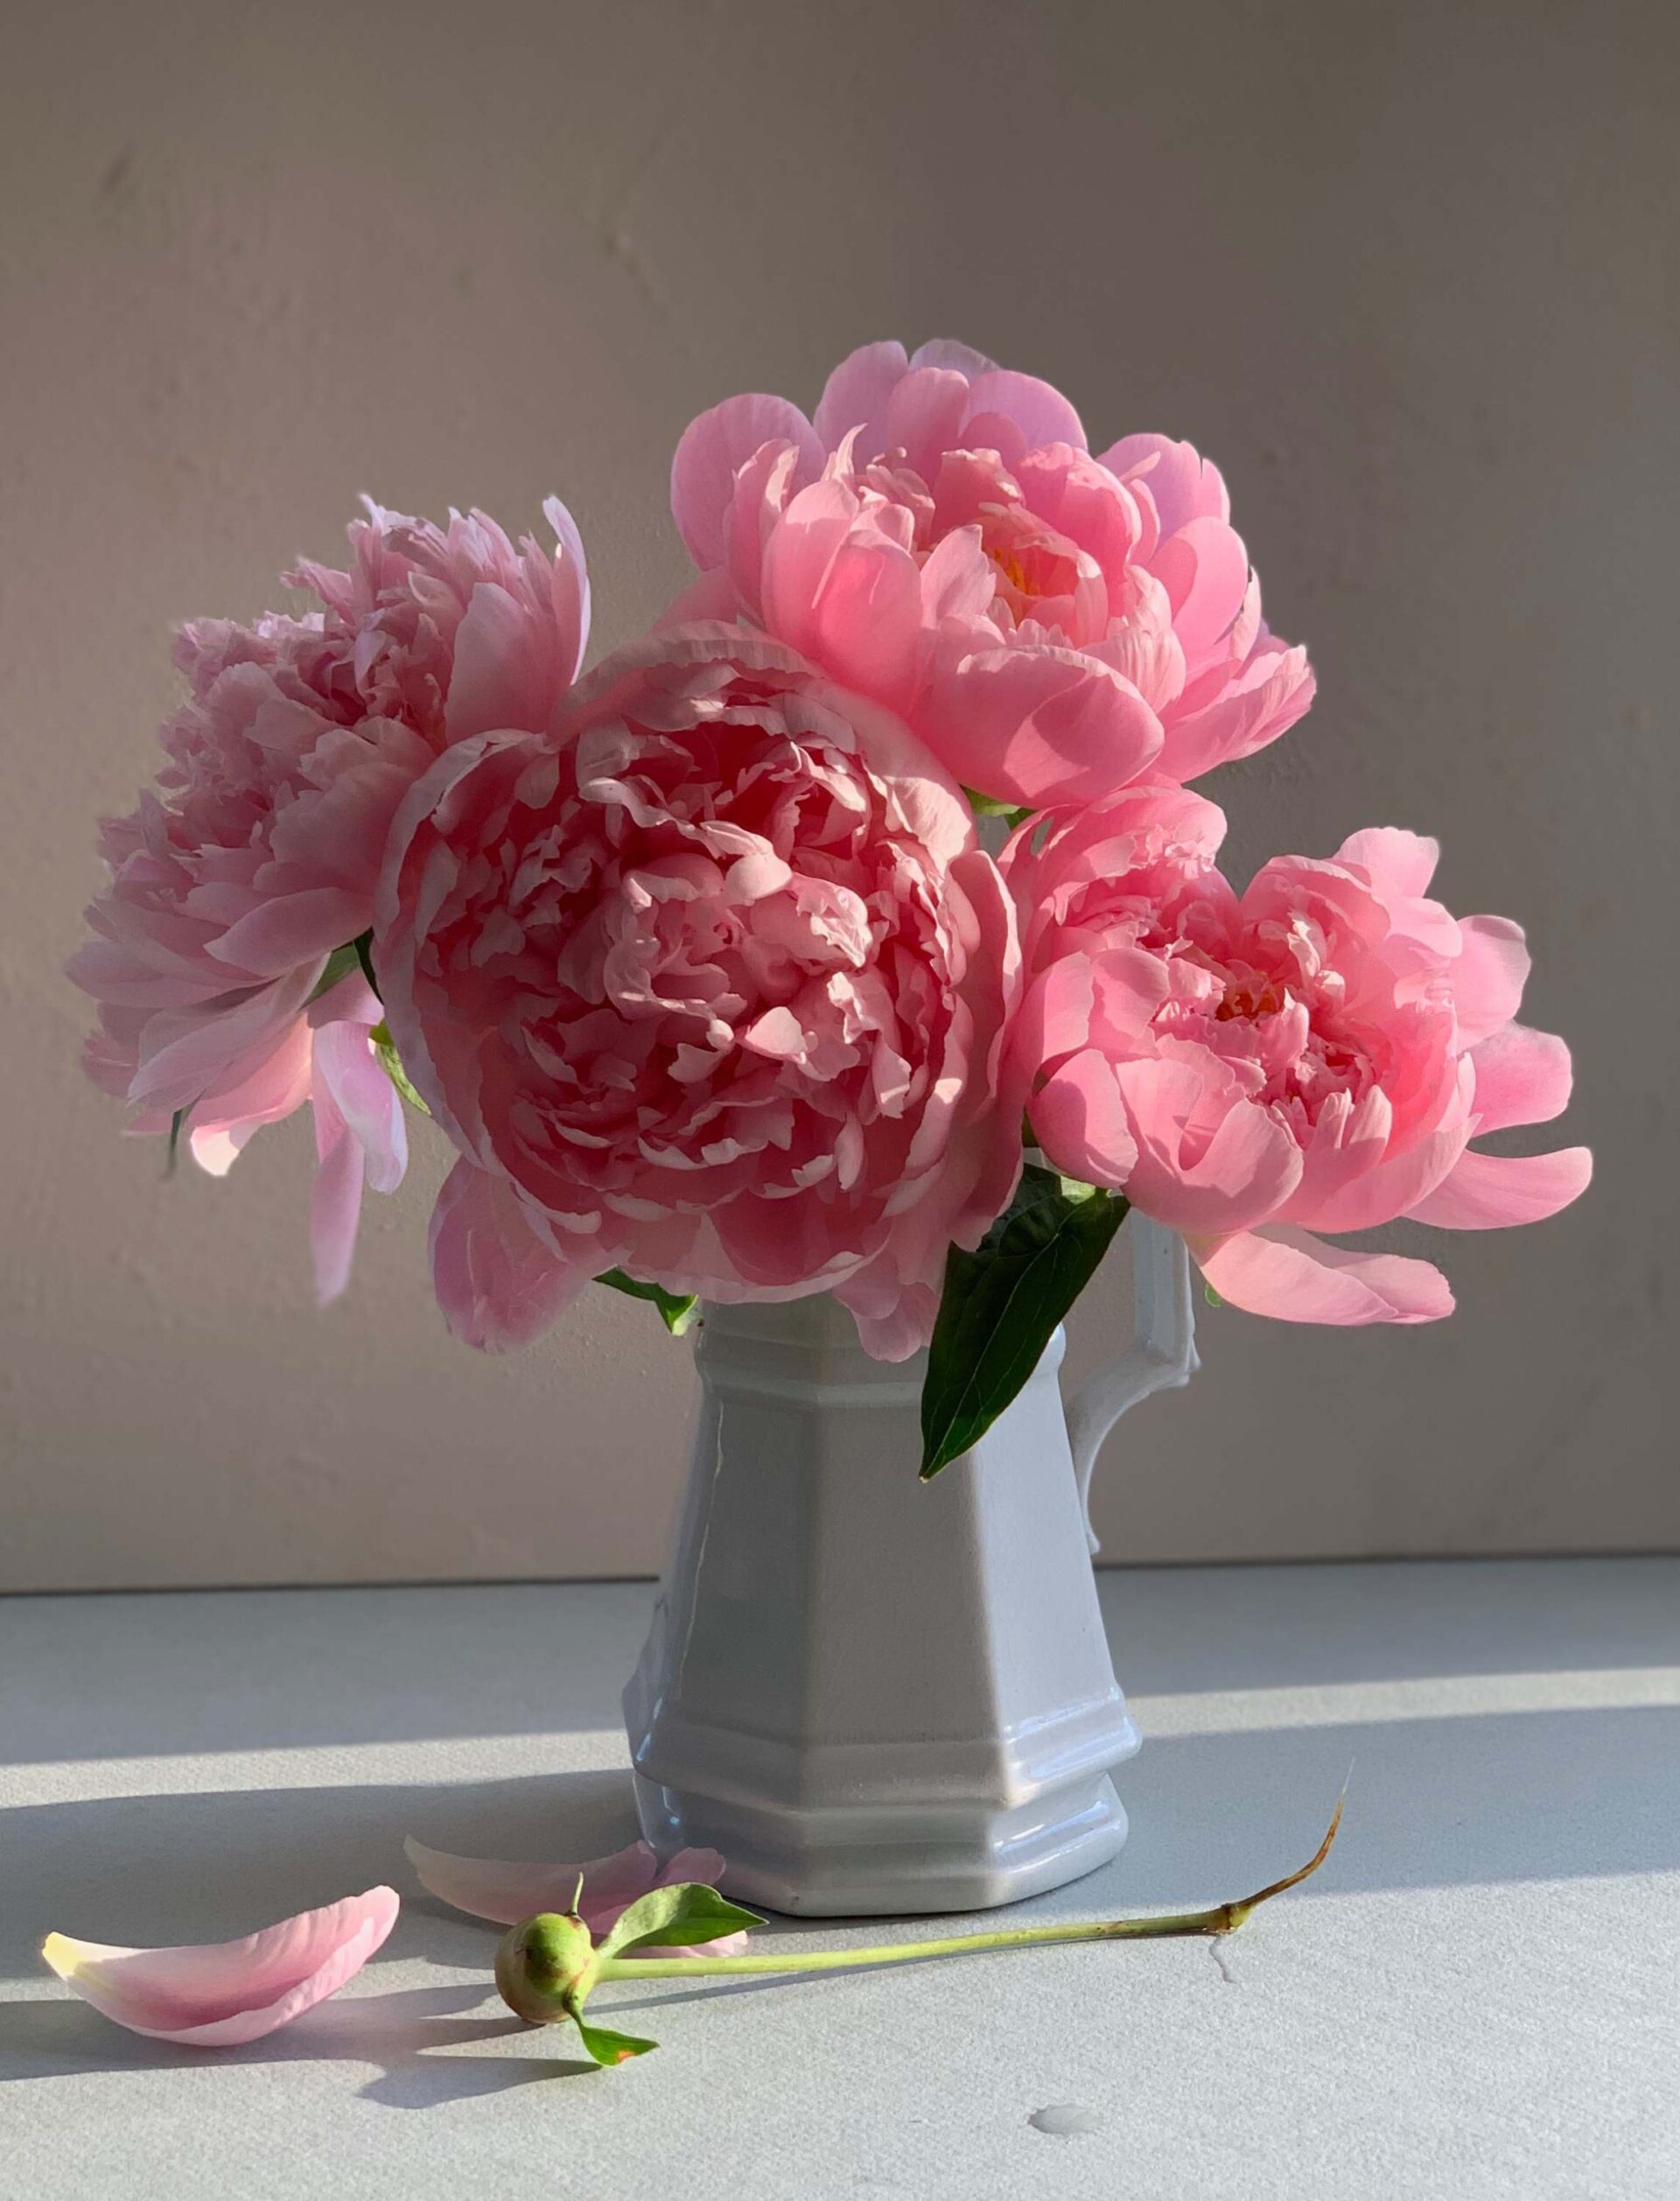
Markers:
point(1162, 1355)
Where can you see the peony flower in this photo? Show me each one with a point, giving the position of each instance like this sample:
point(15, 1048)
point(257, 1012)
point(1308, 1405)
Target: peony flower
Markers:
point(1316, 1053)
point(222, 1994)
point(504, 1891)
point(939, 537)
point(710, 986)
point(255, 860)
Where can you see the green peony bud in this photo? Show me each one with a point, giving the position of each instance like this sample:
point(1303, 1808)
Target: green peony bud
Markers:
point(541, 1968)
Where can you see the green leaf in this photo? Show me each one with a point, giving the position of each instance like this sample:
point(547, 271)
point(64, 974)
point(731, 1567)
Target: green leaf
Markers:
point(176, 1125)
point(676, 1312)
point(993, 806)
point(609, 2048)
point(1002, 1303)
point(339, 964)
point(363, 944)
point(1210, 1296)
point(679, 1916)
point(385, 1046)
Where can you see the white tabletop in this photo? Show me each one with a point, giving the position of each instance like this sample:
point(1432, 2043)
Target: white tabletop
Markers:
point(1478, 1995)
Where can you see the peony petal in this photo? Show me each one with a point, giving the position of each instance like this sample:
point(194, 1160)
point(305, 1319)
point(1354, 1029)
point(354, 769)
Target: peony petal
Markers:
point(504, 1891)
point(1492, 1192)
point(1295, 1278)
point(1523, 1076)
point(569, 594)
point(1206, 571)
point(220, 1993)
point(1489, 976)
point(1041, 413)
point(1038, 725)
point(1275, 687)
point(498, 1285)
point(856, 396)
point(288, 930)
point(335, 1199)
point(945, 351)
point(1400, 864)
point(1182, 485)
point(713, 448)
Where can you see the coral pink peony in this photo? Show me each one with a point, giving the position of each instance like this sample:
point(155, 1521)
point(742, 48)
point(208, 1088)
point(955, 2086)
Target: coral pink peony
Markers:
point(232, 886)
point(940, 538)
point(711, 987)
point(1314, 1054)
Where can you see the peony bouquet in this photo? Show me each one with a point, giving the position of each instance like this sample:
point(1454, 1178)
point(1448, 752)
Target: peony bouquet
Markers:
point(856, 929)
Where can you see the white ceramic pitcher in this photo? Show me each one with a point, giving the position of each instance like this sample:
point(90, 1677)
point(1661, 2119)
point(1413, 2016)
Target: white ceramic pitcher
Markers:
point(874, 1694)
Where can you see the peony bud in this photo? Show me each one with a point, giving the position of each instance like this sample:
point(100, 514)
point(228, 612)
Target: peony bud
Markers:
point(541, 1967)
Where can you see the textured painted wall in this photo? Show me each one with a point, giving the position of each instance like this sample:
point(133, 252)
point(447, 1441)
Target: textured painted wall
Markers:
point(1407, 272)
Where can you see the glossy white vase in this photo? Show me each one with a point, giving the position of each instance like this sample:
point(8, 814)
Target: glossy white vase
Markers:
point(874, 1694)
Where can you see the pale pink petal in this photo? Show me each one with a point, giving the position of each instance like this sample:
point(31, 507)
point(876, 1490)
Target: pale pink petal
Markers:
point(275, 1088)
point(713, 447)
point(1400, 864)
point(216, 1152)
point(366, 1097)
point(505, 1891)
point(1294, 1278)
point(856, 396)
point(568, 594)
point(498, 1285)
point(1523, 1076)
point(925, 414)
point(290, 929)
point(1080, 1119)
point(1038, 725)
point(220, 1993)
point(1492, 1192)
point(1229, 1180)
point(1489, 976)
point(1273, 688)
point(1206, 571)
point(1182, 484)
point(1041, 413)
point(944, 350)
point(335, 1199)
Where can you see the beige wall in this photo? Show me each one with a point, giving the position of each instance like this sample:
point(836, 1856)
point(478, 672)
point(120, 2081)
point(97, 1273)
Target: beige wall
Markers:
point(1402, 269)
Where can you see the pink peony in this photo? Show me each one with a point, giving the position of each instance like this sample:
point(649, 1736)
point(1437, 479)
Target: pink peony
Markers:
point(940, 538)
point(1314, 1054)
point(711, 987)
point(232, 886)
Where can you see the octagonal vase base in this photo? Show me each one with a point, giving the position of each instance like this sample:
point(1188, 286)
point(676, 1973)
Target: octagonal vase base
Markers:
point(874, 1695)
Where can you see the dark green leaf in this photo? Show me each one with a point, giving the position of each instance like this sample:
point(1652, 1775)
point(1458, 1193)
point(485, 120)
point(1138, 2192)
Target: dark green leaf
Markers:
point(675, 1313)
point(363, 944)
point(176, 1125)
point(385, 1046)
point(608, 2048)
point(679, 1916)
point(1002, 1303)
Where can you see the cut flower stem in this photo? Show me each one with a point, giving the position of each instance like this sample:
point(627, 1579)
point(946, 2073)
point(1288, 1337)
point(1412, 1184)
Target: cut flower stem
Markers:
point(1222, 1918)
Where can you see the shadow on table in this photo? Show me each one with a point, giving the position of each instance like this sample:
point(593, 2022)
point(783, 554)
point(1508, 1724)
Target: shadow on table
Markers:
point(402, 2032)
point(1434, 1803)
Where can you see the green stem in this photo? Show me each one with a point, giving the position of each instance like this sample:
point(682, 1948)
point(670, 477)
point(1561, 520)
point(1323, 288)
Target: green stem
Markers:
point(1224, 1918)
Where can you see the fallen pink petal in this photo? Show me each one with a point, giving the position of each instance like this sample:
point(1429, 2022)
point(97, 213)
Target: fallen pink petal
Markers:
point(505, 1891)
point(220, 1993)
